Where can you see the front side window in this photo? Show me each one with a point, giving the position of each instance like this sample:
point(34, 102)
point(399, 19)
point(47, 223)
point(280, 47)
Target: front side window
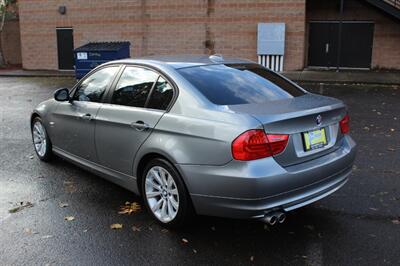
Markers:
point(93, 87)
point(134, 87)
point(239, 84)
point(161, 95)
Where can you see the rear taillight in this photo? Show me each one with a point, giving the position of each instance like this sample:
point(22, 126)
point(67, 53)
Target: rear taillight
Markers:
point(345, 124)
point(256, 144)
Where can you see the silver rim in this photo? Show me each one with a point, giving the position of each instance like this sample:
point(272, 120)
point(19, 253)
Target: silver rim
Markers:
point(162, 194)
point(39, 138)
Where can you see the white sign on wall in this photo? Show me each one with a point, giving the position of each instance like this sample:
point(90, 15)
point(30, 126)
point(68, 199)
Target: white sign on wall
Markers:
point(82, 56)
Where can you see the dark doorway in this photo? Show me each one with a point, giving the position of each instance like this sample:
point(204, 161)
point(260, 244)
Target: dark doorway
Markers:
point(356, 50)
point(357, 45)
point(323, 44)
point(65, 47)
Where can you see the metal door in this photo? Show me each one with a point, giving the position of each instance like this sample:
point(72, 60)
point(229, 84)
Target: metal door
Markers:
point(73, 127)
point(356, 44)
point(73, 122)
point(122, 126)
point(323, 44)
point(356, 51)
point(65, 48)
point(120, 132)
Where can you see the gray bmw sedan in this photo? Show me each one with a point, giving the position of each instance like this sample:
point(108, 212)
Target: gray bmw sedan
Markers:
point(200, 135)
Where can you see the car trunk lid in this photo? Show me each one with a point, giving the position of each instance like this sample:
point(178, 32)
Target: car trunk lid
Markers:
point(295, 116)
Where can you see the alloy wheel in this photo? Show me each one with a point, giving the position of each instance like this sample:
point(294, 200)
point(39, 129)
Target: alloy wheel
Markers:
point(162, 194)
point(39, 138)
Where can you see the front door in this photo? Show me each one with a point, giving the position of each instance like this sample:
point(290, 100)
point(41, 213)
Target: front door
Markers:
point(138, 102)
point(65, 48)
point(74, 122)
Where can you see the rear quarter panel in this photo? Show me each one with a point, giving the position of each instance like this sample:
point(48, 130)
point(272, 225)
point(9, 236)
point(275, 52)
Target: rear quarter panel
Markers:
point(195, 140)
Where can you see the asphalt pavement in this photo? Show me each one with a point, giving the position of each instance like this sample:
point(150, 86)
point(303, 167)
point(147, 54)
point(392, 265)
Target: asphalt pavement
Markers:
point(359, 224)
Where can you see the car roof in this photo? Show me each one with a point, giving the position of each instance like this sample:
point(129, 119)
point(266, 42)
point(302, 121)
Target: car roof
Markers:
point(182, 61)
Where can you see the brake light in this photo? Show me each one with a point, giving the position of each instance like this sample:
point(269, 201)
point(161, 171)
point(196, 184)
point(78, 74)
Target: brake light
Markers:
point(345, 124)
point(256, 144)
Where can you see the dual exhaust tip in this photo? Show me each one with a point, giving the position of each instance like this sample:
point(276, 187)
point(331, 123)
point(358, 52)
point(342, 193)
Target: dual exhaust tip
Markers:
point(274, 217)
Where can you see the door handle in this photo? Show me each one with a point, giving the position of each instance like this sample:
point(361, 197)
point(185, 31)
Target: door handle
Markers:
point(327, 48)
point(140, 125)
point(87, 117)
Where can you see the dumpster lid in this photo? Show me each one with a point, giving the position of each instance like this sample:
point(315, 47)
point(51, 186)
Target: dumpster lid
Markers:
point(102, 46)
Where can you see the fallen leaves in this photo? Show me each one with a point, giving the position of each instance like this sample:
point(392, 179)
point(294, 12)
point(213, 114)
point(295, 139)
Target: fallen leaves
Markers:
point(116, 226)
point(129, 208)
point(69, 186)
point(29, 231)
point(136, 229)
point(69, 218)
point(396, 221)
point(310, 227)
point(22, 205)
point(63, 205)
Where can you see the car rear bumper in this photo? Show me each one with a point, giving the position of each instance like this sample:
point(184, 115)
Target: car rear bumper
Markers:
point(252, 189)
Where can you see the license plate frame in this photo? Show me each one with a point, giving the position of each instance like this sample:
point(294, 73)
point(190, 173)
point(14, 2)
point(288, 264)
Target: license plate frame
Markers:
point(314, 139)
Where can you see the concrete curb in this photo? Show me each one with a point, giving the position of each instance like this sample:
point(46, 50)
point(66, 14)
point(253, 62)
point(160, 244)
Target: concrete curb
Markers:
point(28, 73)
point(367, 77)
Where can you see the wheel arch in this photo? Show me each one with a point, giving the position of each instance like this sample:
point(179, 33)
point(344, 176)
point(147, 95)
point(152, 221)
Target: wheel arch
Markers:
point(141, 164)
point(33, 116)
point(145, 159)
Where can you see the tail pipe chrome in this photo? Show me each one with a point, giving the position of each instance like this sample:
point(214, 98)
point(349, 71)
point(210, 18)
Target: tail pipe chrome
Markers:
point(274, 217)
point(281, 217)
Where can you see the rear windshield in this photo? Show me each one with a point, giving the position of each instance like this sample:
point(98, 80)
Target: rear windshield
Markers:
point(239, 84)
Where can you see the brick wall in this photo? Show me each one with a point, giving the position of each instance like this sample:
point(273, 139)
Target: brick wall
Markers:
point(11, 42)
point(228, 27)
point(386, 43)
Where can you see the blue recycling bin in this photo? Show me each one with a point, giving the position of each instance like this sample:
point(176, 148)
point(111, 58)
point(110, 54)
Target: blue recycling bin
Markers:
point(93, 54)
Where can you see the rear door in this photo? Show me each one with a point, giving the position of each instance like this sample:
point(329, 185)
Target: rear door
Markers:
point(137, 103)
point(73, 122)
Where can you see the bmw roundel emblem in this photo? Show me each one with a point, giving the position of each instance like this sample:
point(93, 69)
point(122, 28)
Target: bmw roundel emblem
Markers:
point(318, 120)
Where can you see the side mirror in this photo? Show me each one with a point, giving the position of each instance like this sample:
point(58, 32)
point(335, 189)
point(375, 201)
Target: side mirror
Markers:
point(61, 95)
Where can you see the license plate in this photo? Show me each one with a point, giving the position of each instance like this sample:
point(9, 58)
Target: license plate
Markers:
point(314, 139)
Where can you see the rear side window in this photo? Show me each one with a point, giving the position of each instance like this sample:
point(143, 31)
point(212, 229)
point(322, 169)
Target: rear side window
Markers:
point(239, 84)
point(161, 95)
point(134, 87)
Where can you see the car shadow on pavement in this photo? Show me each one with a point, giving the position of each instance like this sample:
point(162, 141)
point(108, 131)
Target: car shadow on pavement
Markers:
point(298, 238)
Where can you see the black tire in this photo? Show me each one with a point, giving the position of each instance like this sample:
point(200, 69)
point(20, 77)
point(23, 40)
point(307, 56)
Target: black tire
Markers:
point(185, 210)
point(48, 154)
